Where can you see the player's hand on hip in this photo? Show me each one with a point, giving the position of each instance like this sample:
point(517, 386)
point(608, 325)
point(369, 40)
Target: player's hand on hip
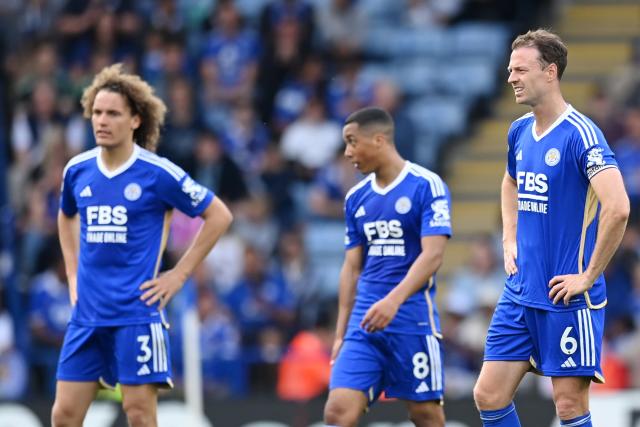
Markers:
point(379, 315)
point(510, 255)
point(566, 286)
point(162, 288)
point(337, 345)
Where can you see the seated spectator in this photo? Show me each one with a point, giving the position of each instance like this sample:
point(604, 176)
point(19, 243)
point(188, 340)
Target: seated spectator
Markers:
point(342, 25)
point(222, 366)
point(49, 313)
point(348, 91)
point(627, 151)
point(312, 140)
point(295, 93)
point(331, 184)
point(228, 64)
point(305, 368)
point(245, 138)
point(218, 171)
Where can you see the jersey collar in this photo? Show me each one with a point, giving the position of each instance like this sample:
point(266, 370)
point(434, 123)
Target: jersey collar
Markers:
point(123, 167)
point(394, 183)
point(555, 124)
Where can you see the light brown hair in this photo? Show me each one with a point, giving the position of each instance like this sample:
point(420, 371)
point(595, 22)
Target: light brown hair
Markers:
point(140, 97)
point(551, 47)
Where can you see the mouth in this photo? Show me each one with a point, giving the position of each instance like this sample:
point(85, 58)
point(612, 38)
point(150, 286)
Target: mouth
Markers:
point(102, 134)
point(518, 90)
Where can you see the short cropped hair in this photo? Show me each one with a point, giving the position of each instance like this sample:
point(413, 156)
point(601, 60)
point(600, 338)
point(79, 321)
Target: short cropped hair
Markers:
point(551, 47)
point(372, 116)
point(140, 97)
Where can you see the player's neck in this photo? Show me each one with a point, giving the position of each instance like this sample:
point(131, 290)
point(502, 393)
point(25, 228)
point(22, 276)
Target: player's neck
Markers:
point(548, 111)
point(389, 169)
point(114, 157)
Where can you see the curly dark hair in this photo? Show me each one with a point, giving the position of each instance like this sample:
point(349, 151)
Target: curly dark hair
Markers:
point(139, 95)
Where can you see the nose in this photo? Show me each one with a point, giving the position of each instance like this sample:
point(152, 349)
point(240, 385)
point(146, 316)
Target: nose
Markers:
point(512, 78)
point(347, 151)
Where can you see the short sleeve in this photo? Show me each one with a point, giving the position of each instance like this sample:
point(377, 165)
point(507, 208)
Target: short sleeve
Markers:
point(351, 238)
point(436, 212)
point(183, 193)
point(592, 150)
point(67, 200)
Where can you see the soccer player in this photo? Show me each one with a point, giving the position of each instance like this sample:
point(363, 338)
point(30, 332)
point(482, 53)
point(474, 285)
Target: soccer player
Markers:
point(115, 208)
point(564, 210)
point(388, 330)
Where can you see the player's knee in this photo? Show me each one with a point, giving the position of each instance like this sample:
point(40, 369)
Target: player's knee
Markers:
point(487, 400)
point(339, 414)
point(139, 414)
point(430, 416)
point(568, 405)
point(64, 415)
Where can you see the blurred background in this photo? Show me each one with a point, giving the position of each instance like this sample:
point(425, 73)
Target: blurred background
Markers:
point(257, 91)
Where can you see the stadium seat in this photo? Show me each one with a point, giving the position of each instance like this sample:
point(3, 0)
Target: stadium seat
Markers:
point(442, 116)
point(415, 77)
point(484, 40)
point(468, 78)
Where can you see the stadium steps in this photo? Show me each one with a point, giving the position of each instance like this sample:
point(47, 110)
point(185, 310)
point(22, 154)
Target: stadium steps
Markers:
point(604, 20)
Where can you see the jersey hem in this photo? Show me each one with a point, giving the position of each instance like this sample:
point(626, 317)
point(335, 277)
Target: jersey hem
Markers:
point(123, 322)
point(597, 376)
point(554, 308)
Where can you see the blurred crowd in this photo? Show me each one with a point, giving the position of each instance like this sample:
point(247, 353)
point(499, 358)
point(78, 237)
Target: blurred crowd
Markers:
point(256, 93)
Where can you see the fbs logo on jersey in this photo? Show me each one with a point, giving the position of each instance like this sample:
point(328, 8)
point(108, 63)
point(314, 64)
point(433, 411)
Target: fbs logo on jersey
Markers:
point(360, 212)
point(86, 192)
point(422, 388)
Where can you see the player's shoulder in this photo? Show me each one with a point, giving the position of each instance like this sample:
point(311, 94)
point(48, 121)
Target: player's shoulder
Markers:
point(521, 122)
point(427, 177)
point(361, 186)
point(80, 160)
point(160, 164)
point(582, 128)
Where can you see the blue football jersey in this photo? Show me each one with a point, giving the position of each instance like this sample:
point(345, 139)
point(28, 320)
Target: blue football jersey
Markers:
point(557, 207)
point(389, 223)
point(124, 222)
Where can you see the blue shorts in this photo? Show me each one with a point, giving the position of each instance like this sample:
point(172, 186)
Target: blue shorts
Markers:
point(130, 355)
point(557, 344)
point(407, 367)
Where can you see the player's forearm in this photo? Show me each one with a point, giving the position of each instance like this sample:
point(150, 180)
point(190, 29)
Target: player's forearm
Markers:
point(217, 219)
point(509, 208)
point(418, 275)
point(68, 236)
point(346, 297)
point(611, 226)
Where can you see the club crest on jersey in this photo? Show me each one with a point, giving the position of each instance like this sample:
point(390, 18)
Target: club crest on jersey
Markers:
point(403, 205)
point(132, 192)
point(552, 157)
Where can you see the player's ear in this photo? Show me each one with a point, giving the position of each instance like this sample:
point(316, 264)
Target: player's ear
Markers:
point(135, 122)
point(552, 72)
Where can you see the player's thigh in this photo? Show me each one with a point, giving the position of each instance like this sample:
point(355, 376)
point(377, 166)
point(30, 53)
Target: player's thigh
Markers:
point(345, 406)
point(73, 399)
point(426, 414)
point(414, 368)
point(569, 342)
point(142, 355)
point(498, 382)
